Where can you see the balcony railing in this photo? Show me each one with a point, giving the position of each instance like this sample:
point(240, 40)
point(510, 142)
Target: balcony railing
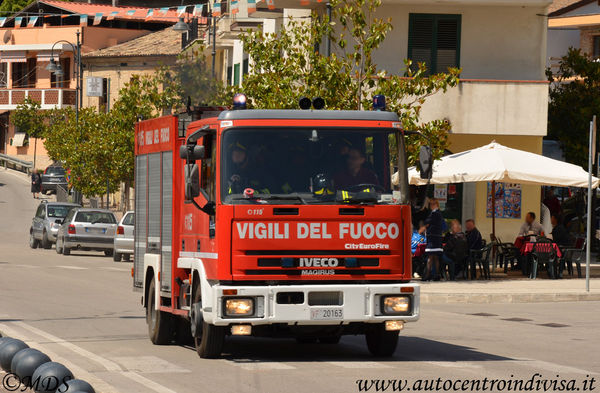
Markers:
point(501, 107)
point(48, 98)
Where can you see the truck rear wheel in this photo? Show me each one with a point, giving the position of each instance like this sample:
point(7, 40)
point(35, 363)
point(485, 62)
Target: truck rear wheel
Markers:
point(159, 322)
point(380, 341)
point(210, 340)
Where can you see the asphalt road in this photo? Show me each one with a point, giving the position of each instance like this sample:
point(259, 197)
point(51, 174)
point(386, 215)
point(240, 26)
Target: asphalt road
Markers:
point(81, 310)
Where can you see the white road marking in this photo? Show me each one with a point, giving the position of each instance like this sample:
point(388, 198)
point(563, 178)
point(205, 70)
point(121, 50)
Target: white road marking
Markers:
point(359, 365)
point(98, 384)
point(106, 363)
point(116, 269)
point(552, 367)
point(148, 364)
point(262, 366)
point(72, 267)
point(454, 364)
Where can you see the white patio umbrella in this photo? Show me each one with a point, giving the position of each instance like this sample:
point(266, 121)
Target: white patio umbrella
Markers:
point(498, 163)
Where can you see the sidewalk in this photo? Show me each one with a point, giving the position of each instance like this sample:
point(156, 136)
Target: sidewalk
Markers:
point(509, 291)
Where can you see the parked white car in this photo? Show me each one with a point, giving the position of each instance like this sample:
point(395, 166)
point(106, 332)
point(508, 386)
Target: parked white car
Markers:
point(87, 229)
point(124, 238)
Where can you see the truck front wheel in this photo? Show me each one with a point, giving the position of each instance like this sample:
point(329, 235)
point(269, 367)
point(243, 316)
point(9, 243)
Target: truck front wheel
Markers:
point(380, 341)
point(210, 339)
point(159, 322)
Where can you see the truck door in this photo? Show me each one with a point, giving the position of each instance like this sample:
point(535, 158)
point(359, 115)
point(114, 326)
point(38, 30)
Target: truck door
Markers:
point(208, 183)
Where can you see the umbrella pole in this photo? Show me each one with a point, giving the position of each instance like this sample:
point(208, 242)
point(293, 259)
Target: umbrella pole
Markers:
point(494, 208)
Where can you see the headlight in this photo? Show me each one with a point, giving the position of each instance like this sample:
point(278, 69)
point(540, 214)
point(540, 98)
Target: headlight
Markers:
point(239, 307)
point(396, 305)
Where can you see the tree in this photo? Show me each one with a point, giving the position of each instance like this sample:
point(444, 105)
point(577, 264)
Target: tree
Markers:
point(286, 66)
point(574, 100)
point(29, 118)
point(9, 6)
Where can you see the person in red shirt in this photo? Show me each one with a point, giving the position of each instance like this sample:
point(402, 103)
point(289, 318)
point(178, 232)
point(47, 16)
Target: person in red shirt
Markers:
point(355, 172)
point(552, 202)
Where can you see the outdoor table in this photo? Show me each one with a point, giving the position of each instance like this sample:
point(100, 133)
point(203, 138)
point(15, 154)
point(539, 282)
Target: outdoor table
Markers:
point(528, 248)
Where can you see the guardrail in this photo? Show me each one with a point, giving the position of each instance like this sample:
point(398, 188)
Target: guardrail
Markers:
point(16, 163)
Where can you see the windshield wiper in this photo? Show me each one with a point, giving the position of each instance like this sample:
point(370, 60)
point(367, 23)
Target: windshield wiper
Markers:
point(273, 197)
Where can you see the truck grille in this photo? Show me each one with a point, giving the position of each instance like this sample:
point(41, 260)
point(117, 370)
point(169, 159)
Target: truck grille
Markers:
point(325, 298)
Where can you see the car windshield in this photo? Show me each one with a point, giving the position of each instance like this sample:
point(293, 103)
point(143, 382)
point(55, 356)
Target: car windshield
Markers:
point(55, 170)
point(96, 217)
point(58, 211)
point(305, 165)
point(128, 220)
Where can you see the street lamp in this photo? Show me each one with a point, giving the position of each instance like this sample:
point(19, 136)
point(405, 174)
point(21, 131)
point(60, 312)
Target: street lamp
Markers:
point(57, 70)
point(181, 26)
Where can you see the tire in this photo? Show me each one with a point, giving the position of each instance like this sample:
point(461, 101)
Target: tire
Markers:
point(381, 342)
point(117, 257)
point(65, 250)
point(109, 253)
point(330, 339)
point(159, 322)
point(33, 242)
point(59, 250)
point(46, 243)
point(183, 332)
point(212, 338)
point(126, 257)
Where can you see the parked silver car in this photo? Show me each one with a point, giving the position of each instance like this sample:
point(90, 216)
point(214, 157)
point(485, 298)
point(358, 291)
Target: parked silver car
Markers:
point(124, 238)
point(48, 219)
point(87, 229)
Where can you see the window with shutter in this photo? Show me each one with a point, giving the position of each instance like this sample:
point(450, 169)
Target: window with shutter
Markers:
point(434, 39)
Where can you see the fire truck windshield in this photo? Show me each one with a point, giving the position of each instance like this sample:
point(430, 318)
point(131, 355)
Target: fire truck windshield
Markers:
point(306, 165)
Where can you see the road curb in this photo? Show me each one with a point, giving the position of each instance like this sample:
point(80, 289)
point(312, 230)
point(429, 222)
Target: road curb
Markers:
point(444, 298)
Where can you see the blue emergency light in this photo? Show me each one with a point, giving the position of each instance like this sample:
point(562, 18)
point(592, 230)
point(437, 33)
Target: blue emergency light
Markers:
point(239, 101)
point(379, 102)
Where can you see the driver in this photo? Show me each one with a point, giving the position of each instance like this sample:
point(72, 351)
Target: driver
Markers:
point(243, 175)
point(355, 172)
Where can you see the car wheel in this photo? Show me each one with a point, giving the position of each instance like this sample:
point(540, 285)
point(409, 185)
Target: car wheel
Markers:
point(58, 248)
point(33, 242)
point(116, 257)
point(65, 250)
point(109, 253)
point(126, 257)
point(45, 241)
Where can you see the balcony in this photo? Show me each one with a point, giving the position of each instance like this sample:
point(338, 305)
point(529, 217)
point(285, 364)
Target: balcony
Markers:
point(48, 98)
point(495, 107)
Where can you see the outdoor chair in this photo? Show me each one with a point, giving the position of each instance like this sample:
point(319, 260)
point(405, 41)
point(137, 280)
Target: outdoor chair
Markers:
point(542, 254)
point(506, 252)
point(480, 258)
point(575, 254)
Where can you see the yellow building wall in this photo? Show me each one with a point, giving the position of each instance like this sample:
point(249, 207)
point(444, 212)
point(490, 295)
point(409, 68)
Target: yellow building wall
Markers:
point(506, 229)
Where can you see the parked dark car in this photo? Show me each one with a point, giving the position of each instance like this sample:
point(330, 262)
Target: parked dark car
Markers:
point(48, 219)
point(53, 176)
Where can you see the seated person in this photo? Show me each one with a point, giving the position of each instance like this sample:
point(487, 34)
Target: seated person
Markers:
point(531, 226)
point(473, 235)
point(560, 235)
point(355, 172)
point(456, 249)
point(243, 174)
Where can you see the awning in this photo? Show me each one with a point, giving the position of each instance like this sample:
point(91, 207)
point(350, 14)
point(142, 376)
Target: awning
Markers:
point(19, 139)
point(13, 57)
point(46, 56)
point(574, 21)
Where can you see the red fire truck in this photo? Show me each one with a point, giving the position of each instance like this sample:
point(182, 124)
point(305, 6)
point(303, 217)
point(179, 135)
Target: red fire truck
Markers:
point(273, 223)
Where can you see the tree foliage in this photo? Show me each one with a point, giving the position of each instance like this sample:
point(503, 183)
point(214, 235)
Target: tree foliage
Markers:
point(29, 118)
point(574, 100)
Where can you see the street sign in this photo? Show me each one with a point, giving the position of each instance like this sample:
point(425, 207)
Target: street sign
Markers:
point(94, 86)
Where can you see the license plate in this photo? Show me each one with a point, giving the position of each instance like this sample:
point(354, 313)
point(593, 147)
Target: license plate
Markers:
point(95, 230)
point(327, 314)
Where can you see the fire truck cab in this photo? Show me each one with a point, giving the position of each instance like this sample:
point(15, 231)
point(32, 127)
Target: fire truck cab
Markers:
point(277, 223)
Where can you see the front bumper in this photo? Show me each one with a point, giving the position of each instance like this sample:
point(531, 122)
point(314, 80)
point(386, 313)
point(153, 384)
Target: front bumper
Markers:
point(360, 303)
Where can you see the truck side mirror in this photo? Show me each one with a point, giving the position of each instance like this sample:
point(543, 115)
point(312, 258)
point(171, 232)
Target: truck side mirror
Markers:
point(192, 181)
point(425, 162)
point(192, 152)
